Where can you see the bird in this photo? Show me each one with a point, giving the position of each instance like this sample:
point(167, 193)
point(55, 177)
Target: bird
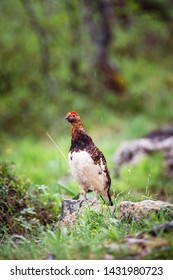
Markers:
point(87, 163)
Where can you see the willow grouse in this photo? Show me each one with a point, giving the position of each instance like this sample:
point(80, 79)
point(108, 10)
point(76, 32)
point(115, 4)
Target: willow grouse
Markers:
point(87, 163)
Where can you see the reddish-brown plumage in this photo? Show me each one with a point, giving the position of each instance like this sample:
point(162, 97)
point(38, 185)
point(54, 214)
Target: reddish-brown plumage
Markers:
point(87, 163)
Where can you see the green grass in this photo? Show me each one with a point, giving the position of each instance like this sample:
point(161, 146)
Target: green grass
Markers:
point(145, 179)
point(38, 160)
point(94, 234)
point(110, 121)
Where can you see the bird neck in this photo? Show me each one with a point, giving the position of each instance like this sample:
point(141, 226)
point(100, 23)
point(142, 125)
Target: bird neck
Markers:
point(76, 129)
point(80, 140)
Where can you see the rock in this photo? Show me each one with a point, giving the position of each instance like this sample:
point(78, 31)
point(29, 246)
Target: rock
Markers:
point(132, 152)
point(132, 246)
point(142, 244)
point(143, 209)
point(50, 257)
point(136, 247)
point(162, 228)
point(126, 210)
point(71, 209)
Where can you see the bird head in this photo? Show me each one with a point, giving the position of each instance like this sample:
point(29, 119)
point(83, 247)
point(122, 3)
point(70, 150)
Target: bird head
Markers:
point(72, 117)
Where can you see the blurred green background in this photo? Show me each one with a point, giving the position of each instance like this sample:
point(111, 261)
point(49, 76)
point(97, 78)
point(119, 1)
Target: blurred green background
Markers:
point(112, 62)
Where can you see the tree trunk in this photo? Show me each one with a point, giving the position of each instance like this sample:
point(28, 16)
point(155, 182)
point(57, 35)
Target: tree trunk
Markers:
point(44, 43)
point(98, 18)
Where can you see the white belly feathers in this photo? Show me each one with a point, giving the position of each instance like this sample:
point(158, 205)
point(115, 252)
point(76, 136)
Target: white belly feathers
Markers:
point(89, 176)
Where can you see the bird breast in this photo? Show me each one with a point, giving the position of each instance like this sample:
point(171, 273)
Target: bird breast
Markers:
point(89, 175)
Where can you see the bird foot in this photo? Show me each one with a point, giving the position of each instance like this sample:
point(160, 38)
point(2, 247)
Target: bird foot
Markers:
point(83, 200)
point(94, 201)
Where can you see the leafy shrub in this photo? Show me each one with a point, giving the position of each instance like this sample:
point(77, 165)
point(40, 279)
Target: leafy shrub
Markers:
point(25, 208)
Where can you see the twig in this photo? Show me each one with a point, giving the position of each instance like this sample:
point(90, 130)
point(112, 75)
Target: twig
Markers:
point(56, 145)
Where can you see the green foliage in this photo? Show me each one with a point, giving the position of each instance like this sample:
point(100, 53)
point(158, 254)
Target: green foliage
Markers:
point(25, 208)
point(145, 174)
point(32, 98)
point(144, 180)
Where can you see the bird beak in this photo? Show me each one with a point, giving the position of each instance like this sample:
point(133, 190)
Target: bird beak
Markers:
point(66, 117)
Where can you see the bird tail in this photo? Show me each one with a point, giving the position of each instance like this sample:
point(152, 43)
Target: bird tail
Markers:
point(108, 199)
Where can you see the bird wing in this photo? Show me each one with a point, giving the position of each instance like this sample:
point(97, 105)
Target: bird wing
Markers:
point(100, 160)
